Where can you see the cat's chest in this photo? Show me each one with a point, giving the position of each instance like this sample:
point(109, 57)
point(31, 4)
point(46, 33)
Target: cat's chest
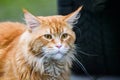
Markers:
point(53, 68)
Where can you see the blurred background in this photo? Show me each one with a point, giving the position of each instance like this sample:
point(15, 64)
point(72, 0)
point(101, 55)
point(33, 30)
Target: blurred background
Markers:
point(11, 10)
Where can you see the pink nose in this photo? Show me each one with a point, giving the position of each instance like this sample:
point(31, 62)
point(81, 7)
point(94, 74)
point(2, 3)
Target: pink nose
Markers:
point(59, 46)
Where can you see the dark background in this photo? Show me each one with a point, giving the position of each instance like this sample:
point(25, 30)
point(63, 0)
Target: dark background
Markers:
point(97, 34)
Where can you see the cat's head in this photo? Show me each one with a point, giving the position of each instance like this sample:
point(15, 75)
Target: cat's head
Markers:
point(52, 36)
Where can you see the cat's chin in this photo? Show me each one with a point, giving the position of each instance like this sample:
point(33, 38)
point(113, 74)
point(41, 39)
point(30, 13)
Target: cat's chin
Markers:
point(58, 56)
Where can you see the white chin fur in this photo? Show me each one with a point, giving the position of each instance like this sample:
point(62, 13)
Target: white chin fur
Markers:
point(57, 56)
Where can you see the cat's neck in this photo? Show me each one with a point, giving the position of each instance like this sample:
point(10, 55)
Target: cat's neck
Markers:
point(53, 70)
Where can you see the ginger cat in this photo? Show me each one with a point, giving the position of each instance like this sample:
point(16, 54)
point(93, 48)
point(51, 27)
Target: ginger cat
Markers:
point(43, 49)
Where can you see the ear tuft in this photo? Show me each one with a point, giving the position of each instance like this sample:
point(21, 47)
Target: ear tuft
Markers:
point(31, 20)
point(73, 17)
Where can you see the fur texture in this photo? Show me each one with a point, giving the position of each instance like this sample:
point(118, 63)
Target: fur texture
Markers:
point(42, 49)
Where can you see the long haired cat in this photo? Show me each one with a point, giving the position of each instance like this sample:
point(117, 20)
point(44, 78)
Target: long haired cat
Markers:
point(43, 49)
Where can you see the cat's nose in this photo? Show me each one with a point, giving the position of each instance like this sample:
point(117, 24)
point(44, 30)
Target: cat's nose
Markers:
point(58, 46)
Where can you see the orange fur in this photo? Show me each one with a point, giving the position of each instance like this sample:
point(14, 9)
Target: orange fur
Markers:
point(22, 47)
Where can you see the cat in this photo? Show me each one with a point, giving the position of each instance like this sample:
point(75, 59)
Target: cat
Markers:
point(41, 49)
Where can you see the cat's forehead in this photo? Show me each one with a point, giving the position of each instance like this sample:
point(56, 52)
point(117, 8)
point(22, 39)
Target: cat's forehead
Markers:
point(52, 20)
point(54, 24)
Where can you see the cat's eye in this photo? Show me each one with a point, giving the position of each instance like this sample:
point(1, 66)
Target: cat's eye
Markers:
point(48, 36)
point(64, 36)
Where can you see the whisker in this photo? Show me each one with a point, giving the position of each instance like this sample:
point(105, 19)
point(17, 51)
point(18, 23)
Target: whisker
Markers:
point(78, 56)
point(83, 68)
point(87, 54)
point(76, 65)
point(81, 65)
point(78, 49)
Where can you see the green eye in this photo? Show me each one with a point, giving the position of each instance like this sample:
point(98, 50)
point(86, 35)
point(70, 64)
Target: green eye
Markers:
point(64, 36)
point(48, 36)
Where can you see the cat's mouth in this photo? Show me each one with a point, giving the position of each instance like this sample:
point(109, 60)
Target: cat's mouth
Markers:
point(58, 55)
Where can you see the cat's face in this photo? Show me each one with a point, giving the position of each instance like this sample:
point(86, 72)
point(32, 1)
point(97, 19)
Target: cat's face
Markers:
point(52, 36)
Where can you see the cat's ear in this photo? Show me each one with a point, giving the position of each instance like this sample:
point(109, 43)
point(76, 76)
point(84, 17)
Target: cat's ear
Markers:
point(73, 17)
point(31, 20)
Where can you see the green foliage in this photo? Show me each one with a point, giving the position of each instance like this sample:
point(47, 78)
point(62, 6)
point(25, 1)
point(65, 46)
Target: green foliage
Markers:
point(11, 10)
